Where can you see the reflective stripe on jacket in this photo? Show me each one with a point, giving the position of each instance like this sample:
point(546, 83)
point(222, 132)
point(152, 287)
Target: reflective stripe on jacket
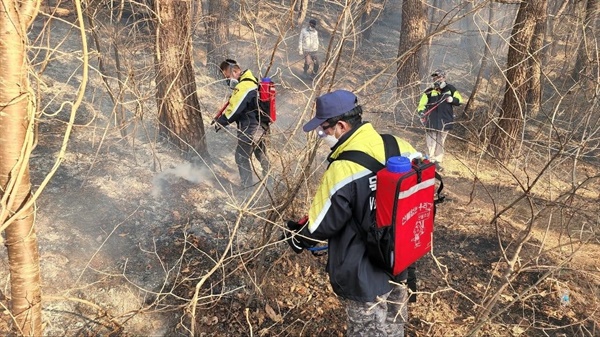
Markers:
point(242, 107)
point(340, 206)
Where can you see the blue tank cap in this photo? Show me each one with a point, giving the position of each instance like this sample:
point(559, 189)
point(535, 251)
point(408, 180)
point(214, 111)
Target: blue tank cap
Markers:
point(266, 79)
point(398, 164)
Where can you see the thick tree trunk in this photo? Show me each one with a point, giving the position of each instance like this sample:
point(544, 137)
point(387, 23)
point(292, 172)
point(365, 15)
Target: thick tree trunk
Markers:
point(587, 53)
point(412, 36)
point(178, 107)
point(504, 140)
point(534, 95)
point(217, 35)
point(16, 140)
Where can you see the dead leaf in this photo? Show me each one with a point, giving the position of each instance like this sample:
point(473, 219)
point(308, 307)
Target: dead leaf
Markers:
point(207, 230)
point(210, 320)
point(271, 313)
point(517, 330)
point(260, 317)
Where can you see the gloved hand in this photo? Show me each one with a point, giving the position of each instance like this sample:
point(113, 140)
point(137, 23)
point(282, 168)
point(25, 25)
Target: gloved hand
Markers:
point(449, 99)
point(296, 226)
point(421, 114)
point(292, 240)
point(297, 242)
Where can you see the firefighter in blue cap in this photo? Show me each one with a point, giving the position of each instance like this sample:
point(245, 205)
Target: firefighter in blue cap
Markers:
point(375, 301)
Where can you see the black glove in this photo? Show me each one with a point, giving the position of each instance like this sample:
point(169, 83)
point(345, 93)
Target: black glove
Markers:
point(296, 226)
point(292, 240)
point(297, 242)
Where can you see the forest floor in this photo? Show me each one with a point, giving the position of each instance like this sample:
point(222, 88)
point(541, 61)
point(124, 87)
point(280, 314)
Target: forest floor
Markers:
point(129, 231)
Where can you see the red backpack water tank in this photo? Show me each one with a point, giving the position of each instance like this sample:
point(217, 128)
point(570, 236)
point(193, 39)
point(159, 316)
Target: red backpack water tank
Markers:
point(405, 202)
point(266, 95)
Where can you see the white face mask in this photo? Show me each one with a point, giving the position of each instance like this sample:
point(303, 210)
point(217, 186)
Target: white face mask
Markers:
point(328, 140)
point(232, 82)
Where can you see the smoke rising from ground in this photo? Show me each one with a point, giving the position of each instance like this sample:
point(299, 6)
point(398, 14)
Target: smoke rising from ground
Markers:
point(185, 171)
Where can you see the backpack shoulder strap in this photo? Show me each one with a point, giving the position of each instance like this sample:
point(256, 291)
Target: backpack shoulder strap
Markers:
point(391, 146)
point(362, 159)
point(440, 198)
point(391, 149)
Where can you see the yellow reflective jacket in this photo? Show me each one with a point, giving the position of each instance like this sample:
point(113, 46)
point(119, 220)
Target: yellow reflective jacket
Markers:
point(242, 108)
point(441, 116)
point(342, 204)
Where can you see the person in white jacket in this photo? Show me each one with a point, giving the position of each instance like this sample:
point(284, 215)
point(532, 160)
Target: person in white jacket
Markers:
point(308, 47)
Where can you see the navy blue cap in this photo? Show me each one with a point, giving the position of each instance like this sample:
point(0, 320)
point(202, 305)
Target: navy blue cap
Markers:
point(333, 104)
point(398, 164)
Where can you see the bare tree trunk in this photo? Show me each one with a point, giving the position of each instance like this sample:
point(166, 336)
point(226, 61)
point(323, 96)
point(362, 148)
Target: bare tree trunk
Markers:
point(553, 21)
point(534, 95)
point(16, 140)
point(504, 140)
point(302, 11)
point(178, 107)
point(412, 35)
point(487, 51)
point(587, 53)
point(217, 35)
point(366, 21)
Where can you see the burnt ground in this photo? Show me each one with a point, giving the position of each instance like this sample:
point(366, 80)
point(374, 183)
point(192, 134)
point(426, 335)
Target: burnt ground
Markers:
point(130, 230)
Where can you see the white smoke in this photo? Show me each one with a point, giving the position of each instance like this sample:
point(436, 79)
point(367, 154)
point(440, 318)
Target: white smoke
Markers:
point(185, 171)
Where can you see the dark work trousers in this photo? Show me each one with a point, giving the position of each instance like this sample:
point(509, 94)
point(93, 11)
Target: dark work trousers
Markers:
point(251, 140)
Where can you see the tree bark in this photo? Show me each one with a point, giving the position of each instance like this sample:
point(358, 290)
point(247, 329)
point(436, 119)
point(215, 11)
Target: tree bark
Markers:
point(412, 35)
point(178, 107)
point(534, 95)
point(16, 140)
point(504, 140)
point(587, 54)
point(217, 35)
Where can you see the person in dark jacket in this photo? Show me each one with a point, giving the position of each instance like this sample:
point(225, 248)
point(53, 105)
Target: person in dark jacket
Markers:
point(242, 108)
point(437, 114)
point(375, 302)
